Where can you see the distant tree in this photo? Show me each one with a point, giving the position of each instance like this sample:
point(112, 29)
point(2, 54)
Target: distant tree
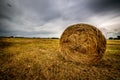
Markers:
point(12, 36)
point(118, 37)
point(115, 38)
point(111, 38)
point(54, 38)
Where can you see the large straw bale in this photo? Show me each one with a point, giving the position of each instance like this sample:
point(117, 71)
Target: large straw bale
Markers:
point(82, 43)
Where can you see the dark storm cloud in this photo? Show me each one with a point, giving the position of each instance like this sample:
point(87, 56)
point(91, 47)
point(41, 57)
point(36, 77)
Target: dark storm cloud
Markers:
point(105, 5)
point(73, 10)
point(25, 15)
point(106, 14)
point(8, 10)
point(39, 9)
point(7, 15)
point(50, 17)
point(4, 9)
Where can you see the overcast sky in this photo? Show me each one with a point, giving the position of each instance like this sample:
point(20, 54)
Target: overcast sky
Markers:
point(49, 18)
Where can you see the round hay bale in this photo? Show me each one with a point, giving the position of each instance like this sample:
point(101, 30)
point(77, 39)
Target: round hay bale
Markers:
point(82, 43)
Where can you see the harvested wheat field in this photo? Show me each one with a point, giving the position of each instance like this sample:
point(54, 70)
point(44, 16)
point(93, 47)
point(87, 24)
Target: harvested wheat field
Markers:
point(40, 59)
point(83, 43)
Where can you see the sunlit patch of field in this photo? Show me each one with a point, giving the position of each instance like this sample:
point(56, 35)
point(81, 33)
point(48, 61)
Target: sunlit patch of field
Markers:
point(40, 59)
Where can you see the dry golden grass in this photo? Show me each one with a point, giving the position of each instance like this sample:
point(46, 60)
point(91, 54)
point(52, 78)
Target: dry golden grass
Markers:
point(83, 43)
point(40, 59)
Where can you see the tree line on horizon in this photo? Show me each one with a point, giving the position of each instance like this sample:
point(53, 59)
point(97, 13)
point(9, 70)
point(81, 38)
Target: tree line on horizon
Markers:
point(28, 37)
point(117, 38)
point(110, 38)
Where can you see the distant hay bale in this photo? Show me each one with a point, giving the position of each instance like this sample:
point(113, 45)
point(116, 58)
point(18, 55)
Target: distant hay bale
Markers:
point(82, 43)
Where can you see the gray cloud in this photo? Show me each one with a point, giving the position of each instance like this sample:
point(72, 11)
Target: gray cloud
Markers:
point(49, 18)
point(106, 14)
point(104, 5)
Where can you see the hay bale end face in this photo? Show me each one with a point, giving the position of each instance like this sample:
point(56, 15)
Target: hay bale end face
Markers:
point(82, 43)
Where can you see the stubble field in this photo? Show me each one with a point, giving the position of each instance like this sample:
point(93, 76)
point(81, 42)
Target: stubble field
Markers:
point(40, 59)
